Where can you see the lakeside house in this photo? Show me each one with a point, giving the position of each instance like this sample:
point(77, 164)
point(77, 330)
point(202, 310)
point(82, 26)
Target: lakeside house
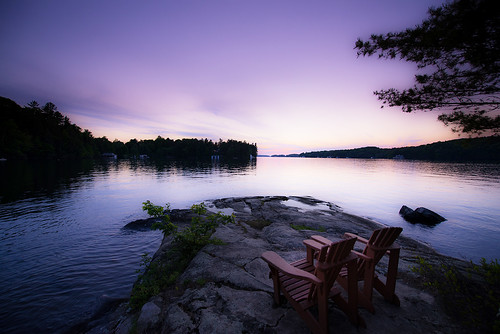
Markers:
point(109, 155)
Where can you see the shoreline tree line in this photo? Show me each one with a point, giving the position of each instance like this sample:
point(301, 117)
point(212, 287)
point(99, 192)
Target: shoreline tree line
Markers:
point(484, 149)
point(42, 132)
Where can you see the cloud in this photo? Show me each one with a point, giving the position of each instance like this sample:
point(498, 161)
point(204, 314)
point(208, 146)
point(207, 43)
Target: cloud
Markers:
point(283, 73)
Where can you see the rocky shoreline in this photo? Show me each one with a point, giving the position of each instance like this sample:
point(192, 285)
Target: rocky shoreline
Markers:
point(226, 288)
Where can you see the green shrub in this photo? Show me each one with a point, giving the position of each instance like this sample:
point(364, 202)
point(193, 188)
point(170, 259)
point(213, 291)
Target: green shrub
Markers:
point(163, 213)
point(160, 274)
point(471, 297)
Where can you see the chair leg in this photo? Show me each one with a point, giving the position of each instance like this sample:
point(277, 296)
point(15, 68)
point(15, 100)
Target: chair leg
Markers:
point(350, 284)
point(365, 297)
point(315, 323)
point(388, 289)
point(368, 280)
point(388, 294)
point(352, 294)
point(276, 285)
point(363, 300)
point(323, 309)
point(392, 273)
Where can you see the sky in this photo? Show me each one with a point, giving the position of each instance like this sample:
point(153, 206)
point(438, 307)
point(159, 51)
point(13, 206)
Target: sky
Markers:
point(280, 73)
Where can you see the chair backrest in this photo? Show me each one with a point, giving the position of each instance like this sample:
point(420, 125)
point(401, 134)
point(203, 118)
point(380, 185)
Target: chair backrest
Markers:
point(329, 261)
point(379, 243)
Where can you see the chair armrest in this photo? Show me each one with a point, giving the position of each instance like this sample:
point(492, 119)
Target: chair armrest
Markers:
point(392, 247)
point(321, 240)
point(352, 235)
point(362, 256)
point(313, 244)
point(314, 250)
point(277, 262)
point(351, 257)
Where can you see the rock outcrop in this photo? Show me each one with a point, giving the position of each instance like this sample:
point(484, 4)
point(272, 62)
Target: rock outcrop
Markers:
point(226, 288)
point(420, 215)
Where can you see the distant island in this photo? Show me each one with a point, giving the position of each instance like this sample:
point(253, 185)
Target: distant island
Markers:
point(35, 132)
point(483, 149)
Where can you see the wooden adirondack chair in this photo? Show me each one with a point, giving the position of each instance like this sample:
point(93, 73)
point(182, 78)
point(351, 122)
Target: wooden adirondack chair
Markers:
point(381, 243)
point(308, 282)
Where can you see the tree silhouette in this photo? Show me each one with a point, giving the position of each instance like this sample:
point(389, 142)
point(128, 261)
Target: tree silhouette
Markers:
point(44, 133)
point(34, 105)
point(457, 52)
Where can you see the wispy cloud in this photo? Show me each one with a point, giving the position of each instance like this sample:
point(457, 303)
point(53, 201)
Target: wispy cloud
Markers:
point(283, 73)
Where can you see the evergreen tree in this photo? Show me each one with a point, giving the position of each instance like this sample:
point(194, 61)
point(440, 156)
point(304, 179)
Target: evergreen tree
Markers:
point(457, 51)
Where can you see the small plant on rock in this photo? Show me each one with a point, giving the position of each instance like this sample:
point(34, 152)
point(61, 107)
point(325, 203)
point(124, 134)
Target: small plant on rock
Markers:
point(299, 227)
point(159, 274)
point(163, 214)
point(471, 296)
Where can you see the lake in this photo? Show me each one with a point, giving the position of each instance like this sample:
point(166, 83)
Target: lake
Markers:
point(63, 246)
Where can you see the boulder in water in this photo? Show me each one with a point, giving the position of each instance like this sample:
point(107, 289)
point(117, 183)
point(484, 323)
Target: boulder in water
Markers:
point(420, 215)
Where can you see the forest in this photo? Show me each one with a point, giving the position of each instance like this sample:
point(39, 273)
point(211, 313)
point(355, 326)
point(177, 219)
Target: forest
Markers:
point(42, 132)
point(483, 149)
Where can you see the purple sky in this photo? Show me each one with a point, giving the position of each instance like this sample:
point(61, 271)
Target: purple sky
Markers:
point(282, 74)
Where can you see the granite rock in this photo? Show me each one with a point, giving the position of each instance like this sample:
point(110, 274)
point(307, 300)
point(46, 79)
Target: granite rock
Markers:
point(234, 292)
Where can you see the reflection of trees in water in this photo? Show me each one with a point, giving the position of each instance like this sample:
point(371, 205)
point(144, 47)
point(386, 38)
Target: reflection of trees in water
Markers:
point(191, 167)
point(25, 179)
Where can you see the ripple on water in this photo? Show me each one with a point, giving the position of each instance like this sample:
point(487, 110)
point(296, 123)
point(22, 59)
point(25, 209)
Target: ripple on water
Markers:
point(62, 245)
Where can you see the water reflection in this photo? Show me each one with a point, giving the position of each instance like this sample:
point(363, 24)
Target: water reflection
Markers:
point(21, 179)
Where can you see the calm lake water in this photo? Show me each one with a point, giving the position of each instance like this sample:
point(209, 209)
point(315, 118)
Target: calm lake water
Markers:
point(62, 246)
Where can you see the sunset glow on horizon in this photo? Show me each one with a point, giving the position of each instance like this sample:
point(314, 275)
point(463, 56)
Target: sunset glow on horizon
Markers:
point(282, 74)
